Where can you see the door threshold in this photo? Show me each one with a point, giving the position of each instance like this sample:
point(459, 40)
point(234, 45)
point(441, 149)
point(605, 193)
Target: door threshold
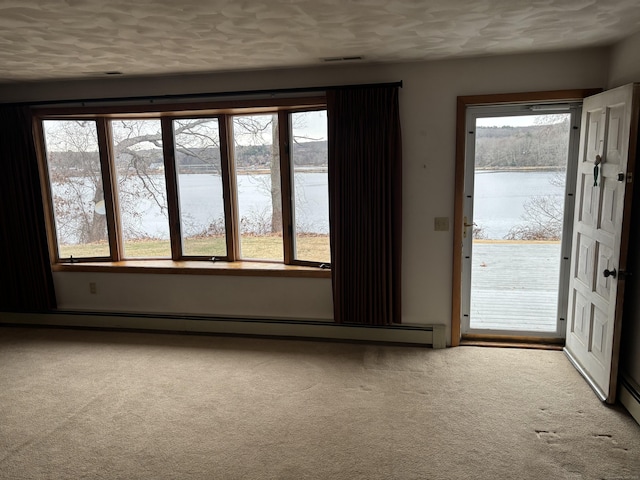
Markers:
point(512, 341)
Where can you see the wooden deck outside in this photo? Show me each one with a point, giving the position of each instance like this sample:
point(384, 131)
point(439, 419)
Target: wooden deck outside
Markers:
point(514, 286)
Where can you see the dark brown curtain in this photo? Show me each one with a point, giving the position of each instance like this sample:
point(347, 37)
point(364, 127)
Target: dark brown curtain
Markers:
point(25, 271)
point(365, 204)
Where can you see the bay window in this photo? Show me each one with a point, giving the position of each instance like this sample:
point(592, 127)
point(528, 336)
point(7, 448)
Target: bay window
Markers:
point(211, 183)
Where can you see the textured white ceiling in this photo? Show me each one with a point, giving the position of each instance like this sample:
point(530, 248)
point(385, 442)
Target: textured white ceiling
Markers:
point(47, 39)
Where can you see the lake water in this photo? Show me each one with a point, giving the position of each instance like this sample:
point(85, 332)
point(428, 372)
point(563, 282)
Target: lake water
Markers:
point(499, 198)
point(498, 206)
point(201, 200)
point(254, 199)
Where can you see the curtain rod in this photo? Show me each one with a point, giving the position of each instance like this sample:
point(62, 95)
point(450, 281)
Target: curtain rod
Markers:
point(195, 96)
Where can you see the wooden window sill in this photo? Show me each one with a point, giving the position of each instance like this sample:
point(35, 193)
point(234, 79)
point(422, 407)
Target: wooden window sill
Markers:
point(238, 269)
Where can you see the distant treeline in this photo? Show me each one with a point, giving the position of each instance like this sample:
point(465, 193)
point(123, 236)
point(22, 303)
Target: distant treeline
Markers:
point(189, 160)
point(310, 154)
point(533, 146)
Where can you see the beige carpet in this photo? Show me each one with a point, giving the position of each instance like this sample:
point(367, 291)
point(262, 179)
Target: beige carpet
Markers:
point(111, 405)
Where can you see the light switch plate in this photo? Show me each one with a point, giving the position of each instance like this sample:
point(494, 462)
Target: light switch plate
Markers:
point(441, 224)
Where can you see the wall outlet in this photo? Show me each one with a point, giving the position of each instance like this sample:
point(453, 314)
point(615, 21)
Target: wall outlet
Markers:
point(441, 224)
point(93, 289)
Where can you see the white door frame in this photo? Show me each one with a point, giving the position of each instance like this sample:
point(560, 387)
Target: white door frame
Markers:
point(472, 114)
point(462, 104)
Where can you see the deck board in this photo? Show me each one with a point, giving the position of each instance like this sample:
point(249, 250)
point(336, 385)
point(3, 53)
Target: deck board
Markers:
point(514, 286)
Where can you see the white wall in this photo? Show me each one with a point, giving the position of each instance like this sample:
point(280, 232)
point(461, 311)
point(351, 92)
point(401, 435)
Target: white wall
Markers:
point(624, 66)
point(630, 354)
point(308, 299)
point(428, 109)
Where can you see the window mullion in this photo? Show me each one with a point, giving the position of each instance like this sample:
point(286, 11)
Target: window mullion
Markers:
point(284, 129)
point(107, 169)
point(229, 187)
point(168, 146)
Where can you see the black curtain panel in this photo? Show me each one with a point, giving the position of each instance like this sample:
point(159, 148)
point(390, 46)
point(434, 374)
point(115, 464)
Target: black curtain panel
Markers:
point(25, 270)
point(365, 204)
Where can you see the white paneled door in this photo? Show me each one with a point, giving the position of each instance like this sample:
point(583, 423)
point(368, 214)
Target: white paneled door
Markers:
point(608, 146)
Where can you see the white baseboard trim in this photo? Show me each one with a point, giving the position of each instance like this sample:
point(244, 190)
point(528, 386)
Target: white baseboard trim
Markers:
point(433, 335)
point(629, 396)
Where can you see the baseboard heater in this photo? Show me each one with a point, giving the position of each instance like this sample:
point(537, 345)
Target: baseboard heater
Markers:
point(433, 335)
point(629, 396)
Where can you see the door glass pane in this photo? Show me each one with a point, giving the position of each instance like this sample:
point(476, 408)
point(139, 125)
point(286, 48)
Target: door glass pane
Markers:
point(257, 165)
point(197, 153)
point(310, 186)
point(73, 162)
point(141, 186)
point(518, 214)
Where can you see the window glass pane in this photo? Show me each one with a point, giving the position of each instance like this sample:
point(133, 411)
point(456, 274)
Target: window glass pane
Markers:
point(310, 186)
point(257, 162)
point(197, 145)
point(518, 216)
point(142, 198)
point(76, 188)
